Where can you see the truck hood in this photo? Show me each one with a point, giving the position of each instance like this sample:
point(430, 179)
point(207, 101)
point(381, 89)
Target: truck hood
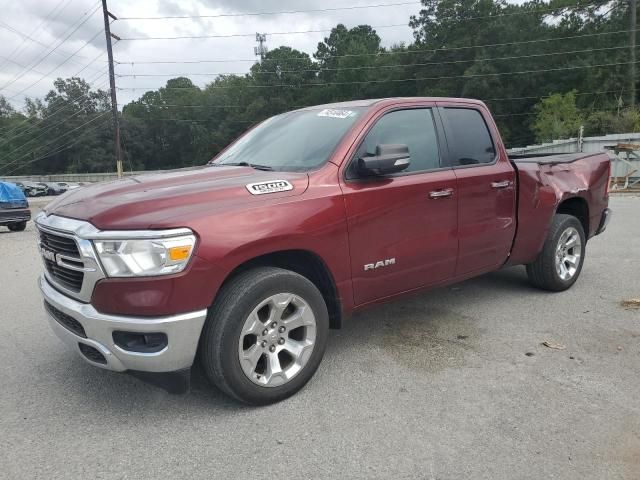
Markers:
point(170, 199)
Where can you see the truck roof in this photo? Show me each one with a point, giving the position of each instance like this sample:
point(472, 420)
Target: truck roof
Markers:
point(391, 100)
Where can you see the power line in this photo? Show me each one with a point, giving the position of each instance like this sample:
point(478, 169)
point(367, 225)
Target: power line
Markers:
point(50, 128)
point(371, 67)
point(356, 7)
point(55, 140)
point(601, 92)
point(23, 35)
point(34, 125)
point(183, 37)
point(544, 96)
point(233, 35)
point(24, 39)
point(192, 106)
point(402, 52)
point(95, 59)
point(59, 65)
point(53, 49)
point(56, 151)
point(195, 120)
point(204, 106)
point(200, 120)
point(48, 76)
point(10, 60)
point(393, 80)
point(281, 12)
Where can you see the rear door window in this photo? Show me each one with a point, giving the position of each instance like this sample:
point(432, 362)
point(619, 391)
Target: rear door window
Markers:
point(468, 137)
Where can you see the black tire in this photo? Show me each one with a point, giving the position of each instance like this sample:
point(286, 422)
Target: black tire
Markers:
point(542, 272)
point(221, 333)
point(17, 227)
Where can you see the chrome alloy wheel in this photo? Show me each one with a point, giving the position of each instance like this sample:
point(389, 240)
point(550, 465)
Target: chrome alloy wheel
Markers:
point(568, 253)
point(277, 340)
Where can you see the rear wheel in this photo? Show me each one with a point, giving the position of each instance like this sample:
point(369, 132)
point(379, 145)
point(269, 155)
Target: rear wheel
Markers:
point(559, 264)
point(265, 335)
point(17, 227)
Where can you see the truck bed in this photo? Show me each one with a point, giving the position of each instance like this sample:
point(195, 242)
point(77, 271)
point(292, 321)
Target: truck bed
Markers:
point(547, 181)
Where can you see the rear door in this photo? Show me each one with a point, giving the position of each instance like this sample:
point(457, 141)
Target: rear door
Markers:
point(402, 227)
point(486, 189)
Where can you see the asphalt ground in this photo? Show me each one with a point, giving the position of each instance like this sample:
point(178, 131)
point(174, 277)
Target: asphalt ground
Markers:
point(450, 384)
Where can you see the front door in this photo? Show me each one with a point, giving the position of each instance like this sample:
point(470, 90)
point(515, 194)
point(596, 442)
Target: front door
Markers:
point(402, 227)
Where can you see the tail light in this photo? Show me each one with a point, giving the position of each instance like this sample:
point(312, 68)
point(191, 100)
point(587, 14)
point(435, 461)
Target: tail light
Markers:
point(606, 191)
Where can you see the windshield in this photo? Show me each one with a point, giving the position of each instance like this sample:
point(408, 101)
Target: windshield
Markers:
point(294, 141)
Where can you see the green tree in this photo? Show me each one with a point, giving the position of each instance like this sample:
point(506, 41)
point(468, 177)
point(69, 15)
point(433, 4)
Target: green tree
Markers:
point(508, 54)
point(557, 117)
point(63, 132)
point(6, 109)
point(346, 61)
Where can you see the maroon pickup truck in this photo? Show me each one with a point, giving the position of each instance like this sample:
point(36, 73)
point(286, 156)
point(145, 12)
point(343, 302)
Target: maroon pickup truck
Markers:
point(247, 262)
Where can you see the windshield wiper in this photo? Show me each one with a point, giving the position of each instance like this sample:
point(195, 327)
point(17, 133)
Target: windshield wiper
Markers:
point(246, 164)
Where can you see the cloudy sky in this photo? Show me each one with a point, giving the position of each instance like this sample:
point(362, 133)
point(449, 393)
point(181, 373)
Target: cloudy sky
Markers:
point(38, 38)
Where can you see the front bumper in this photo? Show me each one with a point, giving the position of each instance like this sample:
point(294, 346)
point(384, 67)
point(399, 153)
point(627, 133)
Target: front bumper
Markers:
point(182, 331)
point(14, 215)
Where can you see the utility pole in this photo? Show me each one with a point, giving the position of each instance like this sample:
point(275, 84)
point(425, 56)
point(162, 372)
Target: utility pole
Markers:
point(112, 83)
point(261, 50)
point(580, 143)
point(632, 53)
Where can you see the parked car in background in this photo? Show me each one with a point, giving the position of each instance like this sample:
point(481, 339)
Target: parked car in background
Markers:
point(32, 189)
point(14, 207)
point(53, 188)
point(69, 185)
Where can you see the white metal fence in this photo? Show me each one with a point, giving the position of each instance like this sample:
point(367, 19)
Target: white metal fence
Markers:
point(73, 177)
point(589, 144)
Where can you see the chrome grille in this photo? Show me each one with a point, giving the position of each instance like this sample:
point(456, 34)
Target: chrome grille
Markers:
point(59, 244)
point(68, 255)
point(67, 277)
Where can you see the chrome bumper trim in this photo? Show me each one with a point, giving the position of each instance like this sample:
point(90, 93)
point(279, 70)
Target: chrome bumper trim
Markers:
point(182, 330)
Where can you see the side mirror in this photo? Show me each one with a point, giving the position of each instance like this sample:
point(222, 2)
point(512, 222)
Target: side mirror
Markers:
point(388, 159)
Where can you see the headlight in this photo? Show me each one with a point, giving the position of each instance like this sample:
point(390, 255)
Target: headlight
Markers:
point(145, 257)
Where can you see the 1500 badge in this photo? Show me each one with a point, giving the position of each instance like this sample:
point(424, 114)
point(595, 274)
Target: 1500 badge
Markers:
point(273, 186)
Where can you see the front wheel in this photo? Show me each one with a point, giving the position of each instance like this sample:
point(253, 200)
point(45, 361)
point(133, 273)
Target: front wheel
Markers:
point(559, 264)
point(265, 335)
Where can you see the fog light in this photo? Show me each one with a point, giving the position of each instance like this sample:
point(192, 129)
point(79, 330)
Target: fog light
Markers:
point(140, 342)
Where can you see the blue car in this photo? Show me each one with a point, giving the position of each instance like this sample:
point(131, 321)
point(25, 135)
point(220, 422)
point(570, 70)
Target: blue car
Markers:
point(14, 207)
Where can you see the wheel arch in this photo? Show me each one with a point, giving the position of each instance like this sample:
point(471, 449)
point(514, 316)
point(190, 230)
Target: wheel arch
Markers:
point(303, 262)
point(576, 207)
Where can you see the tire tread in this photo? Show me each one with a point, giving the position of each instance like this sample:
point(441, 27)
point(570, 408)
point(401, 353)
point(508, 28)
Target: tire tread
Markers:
point(214, 334)
point(542, 271)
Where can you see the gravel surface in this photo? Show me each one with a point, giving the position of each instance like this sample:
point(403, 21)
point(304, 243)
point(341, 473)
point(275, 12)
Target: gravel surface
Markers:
point(451, 384)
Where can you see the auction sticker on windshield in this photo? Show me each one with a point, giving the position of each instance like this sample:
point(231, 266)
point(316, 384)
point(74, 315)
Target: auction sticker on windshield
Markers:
point(273, 186)
point(333, 113)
